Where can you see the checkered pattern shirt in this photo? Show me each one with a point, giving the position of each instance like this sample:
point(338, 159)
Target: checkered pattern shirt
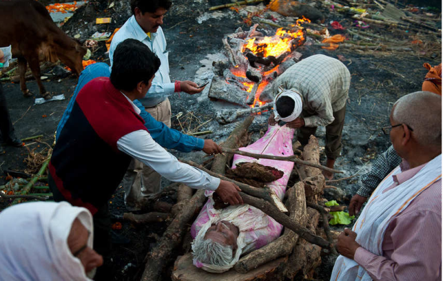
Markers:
point(381, 167)
point(323, 82)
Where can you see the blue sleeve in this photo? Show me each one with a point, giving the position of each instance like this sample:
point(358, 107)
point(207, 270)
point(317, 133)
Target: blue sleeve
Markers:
point(167, 137)
point(92, 71)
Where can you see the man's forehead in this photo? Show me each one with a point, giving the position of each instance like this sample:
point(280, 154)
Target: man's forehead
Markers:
point(159, 12)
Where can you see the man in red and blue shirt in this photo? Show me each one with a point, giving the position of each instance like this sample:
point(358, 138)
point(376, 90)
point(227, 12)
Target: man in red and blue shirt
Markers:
point(104, 131)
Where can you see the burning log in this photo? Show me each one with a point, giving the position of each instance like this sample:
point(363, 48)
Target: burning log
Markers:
point(159, 256)
point(230, 115)
point(284, 245)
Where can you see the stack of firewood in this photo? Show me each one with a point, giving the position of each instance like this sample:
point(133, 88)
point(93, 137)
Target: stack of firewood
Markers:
point(296, 252)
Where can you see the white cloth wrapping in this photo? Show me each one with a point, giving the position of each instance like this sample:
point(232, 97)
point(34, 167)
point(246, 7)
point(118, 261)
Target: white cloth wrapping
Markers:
point(33, 242)
point(378, 213)
point(298, 106)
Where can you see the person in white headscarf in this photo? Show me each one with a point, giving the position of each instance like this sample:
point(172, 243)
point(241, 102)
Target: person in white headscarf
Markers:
point(47, 241)
point(314, 93)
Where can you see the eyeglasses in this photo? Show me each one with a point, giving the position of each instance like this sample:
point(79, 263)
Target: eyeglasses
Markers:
point(386, 130)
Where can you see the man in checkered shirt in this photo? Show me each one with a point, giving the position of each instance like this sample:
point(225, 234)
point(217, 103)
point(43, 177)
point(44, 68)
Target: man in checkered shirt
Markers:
point(315, 91)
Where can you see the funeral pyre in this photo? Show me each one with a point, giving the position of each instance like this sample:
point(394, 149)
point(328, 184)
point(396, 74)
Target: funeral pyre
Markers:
point(255, 60)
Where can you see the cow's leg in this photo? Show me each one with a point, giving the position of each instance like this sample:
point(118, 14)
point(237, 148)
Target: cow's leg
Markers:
point(34, 64)
point(22, 66)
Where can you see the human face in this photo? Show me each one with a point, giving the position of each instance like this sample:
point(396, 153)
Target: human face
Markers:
point(78, 244)
point(224, 233)
point(150, 22)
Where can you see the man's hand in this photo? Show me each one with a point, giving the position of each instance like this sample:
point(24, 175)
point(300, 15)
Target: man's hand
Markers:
point(190, 87)
point(346, 244)
point(228, 192)
point(297, 123)
point(271, 120)
point(2, 56)
point(211, 147)
point(357, 202)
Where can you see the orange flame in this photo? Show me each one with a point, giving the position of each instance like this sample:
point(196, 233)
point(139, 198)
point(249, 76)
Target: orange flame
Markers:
point(334, 39)
point(277, 44)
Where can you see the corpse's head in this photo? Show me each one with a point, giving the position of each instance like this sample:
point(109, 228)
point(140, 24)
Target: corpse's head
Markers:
point(415, 130)
point(134, 68)
point(219, 244)
point(149, 13)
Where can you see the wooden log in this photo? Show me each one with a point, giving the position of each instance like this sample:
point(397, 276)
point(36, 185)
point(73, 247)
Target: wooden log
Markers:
point(184, 193)
point(159, 257)
point(370, 47)
point(324, 214)
point(284, 245)
point(145, 218)
point(312, 176)
point(184, 270)
point(305, 258)
point(281, 158)
point(305, 255)
point(281, 218)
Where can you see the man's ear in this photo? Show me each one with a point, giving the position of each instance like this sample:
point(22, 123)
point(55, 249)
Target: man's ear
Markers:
point(137, 11)
point(140, 86)
point(406, 135)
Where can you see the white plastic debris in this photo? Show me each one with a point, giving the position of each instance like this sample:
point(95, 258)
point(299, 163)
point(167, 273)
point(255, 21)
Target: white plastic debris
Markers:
point(54, 98)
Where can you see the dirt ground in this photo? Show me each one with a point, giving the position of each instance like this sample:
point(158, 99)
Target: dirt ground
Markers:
point(194, 36)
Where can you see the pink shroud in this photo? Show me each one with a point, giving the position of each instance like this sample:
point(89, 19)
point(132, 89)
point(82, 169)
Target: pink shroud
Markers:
point(278, 142)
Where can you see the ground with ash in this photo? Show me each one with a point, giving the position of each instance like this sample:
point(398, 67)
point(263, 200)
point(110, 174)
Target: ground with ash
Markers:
point(194, 36)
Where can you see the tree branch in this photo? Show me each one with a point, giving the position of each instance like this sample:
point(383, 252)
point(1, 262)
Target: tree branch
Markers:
point(280, 158)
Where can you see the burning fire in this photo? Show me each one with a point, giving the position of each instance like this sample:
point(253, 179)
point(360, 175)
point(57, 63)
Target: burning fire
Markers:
point(282, 42)
point(278, 44)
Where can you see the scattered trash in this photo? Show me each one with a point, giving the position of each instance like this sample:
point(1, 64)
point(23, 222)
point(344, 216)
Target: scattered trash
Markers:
point(54, 98)
point(337, 25)
point(99, 36)
point(102, 20)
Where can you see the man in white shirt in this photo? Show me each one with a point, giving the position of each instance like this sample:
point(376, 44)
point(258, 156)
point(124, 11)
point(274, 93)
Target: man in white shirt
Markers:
point(105, 131)
point(145, 26)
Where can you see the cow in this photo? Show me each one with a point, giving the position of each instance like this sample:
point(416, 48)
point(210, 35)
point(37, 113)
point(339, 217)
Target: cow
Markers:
point(27, 26)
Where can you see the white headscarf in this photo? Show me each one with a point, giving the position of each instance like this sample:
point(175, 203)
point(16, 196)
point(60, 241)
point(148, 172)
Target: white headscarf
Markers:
point(298, 106)
point(33, 242)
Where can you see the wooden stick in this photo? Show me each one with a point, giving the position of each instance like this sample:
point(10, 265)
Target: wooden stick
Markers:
point(283, 219)
point(200, 133)
point(22, 115)
point(4, 196)
point(28, 187)
point(421, 24)
point(324, 214)
point(280, 158)
point(342, 179)
point(235, 4)
point(145, 218)
point(31, 138)
point(262, 193)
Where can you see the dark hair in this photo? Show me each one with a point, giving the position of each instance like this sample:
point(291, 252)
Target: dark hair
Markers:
point(285, 106)
point(133, 63)
point(150, 6)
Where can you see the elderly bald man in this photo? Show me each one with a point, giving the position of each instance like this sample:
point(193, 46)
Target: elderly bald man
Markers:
point(398, 234)
point(47, 241)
